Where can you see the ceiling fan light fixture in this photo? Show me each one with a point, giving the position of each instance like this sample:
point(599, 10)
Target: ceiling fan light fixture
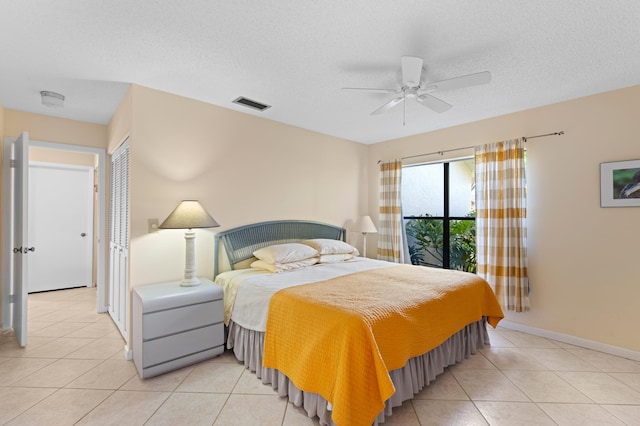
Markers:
point(52, 99)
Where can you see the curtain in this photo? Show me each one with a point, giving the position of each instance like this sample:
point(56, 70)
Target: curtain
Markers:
point(391, 246)
point(501, 228)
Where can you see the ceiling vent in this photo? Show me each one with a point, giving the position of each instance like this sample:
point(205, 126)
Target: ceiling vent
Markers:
point(251, 104)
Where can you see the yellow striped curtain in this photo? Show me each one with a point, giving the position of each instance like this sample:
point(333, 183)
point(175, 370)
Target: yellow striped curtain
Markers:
point(390, 227)
point(501, 228)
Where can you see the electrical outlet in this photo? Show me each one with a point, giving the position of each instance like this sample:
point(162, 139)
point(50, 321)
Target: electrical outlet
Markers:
point(153, 225)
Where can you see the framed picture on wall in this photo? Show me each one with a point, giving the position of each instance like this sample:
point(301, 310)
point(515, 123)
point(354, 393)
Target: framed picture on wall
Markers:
point(620, 184)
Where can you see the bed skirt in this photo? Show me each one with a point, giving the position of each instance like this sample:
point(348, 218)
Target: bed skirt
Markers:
point(417, 373)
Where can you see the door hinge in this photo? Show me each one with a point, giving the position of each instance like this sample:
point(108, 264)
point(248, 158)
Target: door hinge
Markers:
point(12, 163)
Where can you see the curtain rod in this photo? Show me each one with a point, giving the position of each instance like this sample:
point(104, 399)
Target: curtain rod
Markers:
point(561, 132)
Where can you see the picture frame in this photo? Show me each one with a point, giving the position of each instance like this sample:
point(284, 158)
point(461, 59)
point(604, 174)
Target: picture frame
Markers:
point(620, 184)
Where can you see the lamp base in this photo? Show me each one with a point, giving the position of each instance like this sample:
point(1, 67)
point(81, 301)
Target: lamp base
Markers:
point(364, 244)
point(190, 282)
point(190, 279)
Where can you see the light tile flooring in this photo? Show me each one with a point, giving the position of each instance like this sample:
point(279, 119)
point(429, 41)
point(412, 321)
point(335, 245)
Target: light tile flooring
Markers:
point(73, 372)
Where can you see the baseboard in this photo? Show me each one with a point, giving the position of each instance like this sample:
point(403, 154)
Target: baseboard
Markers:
point(128, 353)
point(572, 340)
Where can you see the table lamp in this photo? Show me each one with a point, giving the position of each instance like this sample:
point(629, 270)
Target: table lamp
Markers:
point(365, 225)
point(189, 215)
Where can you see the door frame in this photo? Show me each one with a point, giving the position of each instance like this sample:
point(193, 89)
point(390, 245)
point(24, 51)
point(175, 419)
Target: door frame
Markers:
point(7, 235)
point(101, 208)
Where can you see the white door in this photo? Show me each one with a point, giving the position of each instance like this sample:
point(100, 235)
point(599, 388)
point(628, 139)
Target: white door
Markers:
point(60, 226)
point(16, 248)
point(119, 238)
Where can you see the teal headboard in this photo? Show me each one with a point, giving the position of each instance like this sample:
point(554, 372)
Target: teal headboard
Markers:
point(240, 243)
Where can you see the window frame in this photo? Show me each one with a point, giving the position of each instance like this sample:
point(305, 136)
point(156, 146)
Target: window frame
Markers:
point(445, 218)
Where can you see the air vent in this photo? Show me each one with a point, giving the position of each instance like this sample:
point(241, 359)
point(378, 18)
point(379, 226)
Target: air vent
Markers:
point(251, 104)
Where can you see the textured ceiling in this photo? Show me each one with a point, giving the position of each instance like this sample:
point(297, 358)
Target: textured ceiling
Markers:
point(296, 55)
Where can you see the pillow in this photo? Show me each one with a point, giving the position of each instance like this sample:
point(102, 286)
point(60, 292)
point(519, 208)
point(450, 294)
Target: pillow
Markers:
point(335, 258)
point(282, 267)
point(327, 246)
point(285, 253)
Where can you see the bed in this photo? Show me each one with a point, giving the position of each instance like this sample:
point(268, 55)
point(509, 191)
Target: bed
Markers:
point(327, 335)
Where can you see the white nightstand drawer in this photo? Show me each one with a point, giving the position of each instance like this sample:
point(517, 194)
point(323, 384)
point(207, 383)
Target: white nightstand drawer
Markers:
point(178, 345)
point(171, 321)
point(175, 326)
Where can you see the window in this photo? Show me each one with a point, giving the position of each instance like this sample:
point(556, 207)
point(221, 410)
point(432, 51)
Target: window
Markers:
point(438, 203)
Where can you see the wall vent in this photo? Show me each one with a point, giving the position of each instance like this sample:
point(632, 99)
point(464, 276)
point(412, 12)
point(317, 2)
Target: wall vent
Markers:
point(251, 104)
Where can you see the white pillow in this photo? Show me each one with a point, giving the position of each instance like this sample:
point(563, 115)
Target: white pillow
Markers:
point(282, 267)
point(327, 246)
point(335, 258)
point(285, 253)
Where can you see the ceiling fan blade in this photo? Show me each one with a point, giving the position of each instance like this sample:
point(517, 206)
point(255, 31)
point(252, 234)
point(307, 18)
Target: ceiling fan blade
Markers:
point(460, 82)
point(411, 70)
point(368, 89)
point(386, 107)
point(433, 103)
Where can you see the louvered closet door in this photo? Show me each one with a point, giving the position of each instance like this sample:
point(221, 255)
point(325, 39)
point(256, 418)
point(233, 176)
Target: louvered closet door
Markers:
point(119, 237)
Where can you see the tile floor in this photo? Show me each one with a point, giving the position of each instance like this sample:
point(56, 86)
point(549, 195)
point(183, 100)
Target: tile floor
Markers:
point(73, 372)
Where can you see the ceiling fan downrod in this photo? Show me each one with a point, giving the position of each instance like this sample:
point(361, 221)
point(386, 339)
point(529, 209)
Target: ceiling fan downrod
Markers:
point(404, 106)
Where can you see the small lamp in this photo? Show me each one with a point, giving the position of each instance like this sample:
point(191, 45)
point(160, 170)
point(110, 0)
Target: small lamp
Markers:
point(188, 215)
point(365, 225)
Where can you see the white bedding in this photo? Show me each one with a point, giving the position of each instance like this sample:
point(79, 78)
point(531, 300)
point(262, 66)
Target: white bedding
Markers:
point(247, 292)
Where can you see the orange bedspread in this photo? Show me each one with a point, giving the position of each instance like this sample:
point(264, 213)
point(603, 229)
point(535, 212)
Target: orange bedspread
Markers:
point(340, 338)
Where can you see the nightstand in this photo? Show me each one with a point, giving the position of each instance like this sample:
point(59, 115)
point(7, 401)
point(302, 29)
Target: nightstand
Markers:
point(176, 326)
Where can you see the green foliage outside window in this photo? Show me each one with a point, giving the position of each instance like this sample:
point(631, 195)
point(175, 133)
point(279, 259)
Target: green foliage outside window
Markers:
point(428, 235)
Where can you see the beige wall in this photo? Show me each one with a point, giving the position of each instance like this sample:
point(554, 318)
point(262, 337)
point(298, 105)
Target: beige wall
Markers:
point(64, 157)
point(2, 207)
point(582, 258)
point(52, 129)
point(120, 125)
point(242, 168)
point(246, 169)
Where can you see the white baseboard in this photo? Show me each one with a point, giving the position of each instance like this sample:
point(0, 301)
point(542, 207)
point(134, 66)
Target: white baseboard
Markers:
point(572, 340)
point(128, 353)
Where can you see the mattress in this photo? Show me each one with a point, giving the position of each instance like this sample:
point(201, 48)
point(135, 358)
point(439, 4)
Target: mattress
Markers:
point(247, 292)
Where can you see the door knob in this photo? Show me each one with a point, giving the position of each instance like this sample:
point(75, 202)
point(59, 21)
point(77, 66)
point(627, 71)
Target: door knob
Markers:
point(23, 249)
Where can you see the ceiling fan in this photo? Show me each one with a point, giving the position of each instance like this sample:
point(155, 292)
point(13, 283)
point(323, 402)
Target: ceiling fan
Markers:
point(413, 87)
